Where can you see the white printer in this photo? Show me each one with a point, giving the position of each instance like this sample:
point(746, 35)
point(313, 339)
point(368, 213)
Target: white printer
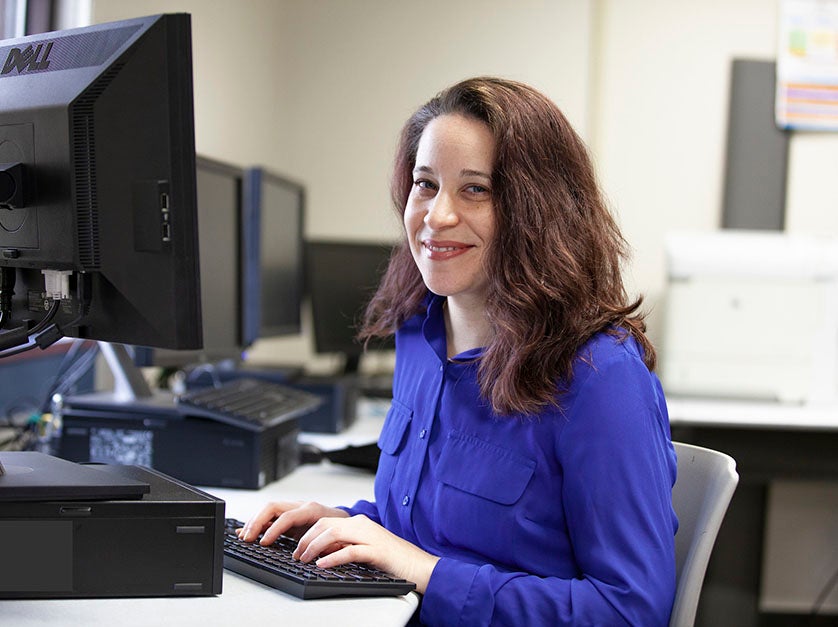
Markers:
point(751, 315)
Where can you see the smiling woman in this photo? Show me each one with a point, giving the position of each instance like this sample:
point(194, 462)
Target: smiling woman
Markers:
point(526, 465)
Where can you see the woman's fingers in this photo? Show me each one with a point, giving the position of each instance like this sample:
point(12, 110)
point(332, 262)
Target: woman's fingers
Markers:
point(286, 517)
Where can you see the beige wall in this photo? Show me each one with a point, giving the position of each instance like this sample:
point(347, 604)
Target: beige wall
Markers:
point(317, 89)
point(663, 85)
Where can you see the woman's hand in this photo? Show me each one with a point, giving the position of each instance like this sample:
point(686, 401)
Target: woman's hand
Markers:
point(337, 540)
point(290, 518)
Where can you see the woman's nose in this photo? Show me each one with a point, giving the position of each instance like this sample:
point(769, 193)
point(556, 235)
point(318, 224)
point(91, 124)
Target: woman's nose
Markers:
point(442, 212)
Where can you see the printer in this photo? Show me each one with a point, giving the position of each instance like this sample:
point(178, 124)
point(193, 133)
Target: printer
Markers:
point(751, 315)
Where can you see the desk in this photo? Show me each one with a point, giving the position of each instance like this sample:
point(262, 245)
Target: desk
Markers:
point(242, 600)
point(769, 441)
point(696, 412)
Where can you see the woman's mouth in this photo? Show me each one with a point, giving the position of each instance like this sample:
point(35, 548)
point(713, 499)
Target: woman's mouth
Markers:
point(440, 251)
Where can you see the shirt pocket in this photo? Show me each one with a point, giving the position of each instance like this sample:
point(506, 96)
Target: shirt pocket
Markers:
point(395, 427)
point(390, 441)
point(484, 469)
point(480, 493)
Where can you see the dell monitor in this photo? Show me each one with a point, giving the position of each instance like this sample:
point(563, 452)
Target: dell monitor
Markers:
point(220, 235)
point(98, 218)
point(341, 279)
point(274, 209)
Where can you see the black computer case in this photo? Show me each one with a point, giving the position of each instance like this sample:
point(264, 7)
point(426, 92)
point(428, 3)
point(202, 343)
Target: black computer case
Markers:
point(197, 450)
point(169, 543)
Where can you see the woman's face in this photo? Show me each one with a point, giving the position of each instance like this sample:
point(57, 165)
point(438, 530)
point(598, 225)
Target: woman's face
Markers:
point(449, 218)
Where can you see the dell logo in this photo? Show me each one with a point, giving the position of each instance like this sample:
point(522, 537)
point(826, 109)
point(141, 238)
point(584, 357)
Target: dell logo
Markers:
point(27, 60)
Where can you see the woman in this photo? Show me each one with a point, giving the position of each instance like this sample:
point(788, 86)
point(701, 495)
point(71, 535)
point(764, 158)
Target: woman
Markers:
point(526, 465)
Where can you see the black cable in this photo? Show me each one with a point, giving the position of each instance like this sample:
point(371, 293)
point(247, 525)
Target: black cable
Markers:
point(12, 338)
point(47, 335)
point(26, 336)
point(7, 290)
point(53, 309)
point(17, 350)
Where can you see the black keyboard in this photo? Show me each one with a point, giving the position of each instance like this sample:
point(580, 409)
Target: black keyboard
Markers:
point(273, 566)
point(249, 403)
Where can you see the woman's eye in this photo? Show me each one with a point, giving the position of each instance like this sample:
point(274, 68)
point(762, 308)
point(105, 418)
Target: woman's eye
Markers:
point(477, 189)
point(424, 184)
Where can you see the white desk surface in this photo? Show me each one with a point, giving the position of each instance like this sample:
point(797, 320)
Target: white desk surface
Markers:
point(245, 600)
point(242, 600)
point(709, 412)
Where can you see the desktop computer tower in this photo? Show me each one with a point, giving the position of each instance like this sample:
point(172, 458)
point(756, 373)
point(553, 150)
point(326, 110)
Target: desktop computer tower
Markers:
point(197, 450)
point(340, 400)
point(168, 543)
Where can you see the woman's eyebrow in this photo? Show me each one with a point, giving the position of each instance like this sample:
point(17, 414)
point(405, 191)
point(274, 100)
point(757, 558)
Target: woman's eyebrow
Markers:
point(480, 173)
point(465, 172)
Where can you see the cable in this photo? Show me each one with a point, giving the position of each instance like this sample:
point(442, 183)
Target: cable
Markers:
point(17, 350)
point(44, 339)
point(79, 368)
point(7, 290)
point(56, 304)
point(77, 361)
point(22, 335)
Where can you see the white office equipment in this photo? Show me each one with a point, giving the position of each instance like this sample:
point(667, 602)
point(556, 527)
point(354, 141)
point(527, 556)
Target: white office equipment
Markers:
point(751, 315)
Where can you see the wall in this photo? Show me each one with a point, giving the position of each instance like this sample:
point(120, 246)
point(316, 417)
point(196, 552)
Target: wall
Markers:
point(318, 90)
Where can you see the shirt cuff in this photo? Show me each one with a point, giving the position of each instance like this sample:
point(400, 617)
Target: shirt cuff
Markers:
point(447, 594)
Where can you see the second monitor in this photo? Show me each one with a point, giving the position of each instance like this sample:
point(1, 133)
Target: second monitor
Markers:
point(342, 277)
point(274, 210)
point(251, 233)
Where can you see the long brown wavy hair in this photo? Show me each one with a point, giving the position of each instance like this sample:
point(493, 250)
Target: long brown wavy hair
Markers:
point(554, 265)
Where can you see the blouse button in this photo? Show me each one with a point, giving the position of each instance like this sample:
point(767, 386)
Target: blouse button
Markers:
point(406, 500)
point(422, 434)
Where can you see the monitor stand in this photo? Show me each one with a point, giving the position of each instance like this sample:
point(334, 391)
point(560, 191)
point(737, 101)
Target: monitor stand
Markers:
point(131, 392)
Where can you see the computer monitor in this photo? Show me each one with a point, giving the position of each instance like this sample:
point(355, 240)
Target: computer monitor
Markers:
point(341, 279)
point(98, 225)
point(220, 235)
point(274, 210)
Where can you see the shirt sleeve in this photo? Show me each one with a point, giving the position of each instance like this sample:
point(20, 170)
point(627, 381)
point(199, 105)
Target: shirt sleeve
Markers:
point(618, 465)
point(366, 508)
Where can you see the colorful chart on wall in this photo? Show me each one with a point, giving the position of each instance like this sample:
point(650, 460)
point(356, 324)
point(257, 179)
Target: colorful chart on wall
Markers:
point(807, 65)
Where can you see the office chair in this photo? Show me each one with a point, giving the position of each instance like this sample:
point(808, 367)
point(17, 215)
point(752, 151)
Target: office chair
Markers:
point(702, 492)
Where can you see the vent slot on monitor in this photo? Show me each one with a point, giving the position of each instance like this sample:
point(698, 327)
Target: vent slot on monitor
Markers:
point(84, 168)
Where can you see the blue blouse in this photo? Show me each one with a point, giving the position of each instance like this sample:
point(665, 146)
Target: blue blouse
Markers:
point(560, 519)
